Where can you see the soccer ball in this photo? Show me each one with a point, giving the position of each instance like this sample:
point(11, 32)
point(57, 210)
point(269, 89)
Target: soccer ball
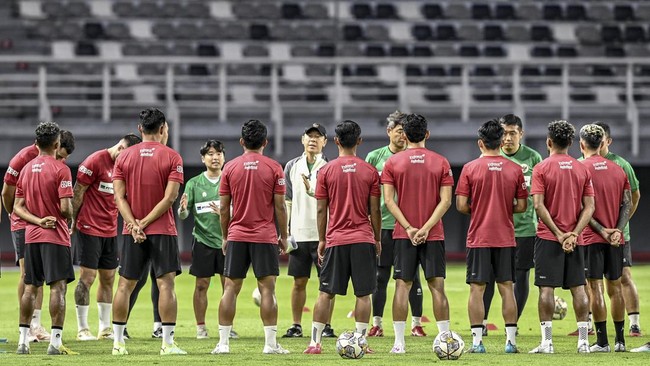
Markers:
point(351, 345)
point(257, 297)
point(561, 308)
point(448, 345)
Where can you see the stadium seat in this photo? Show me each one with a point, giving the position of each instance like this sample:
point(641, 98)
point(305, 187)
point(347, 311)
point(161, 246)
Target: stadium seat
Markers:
point(483, 71)
point(637, 50)
point(171, 9)
point(163, 30)
point(376, 32)
point(93, 30)
point(614, 51)
point(575, 12)
point(469, 32)
point(255, 51)
point(552, 12)
point(414, 70)
point(422, 32)
point(283, 31)
point(445, 32)
point(517, 33)
point(266, 10)
point(588, 34)
point(541, 33)
point(611, 34)
point(207, 50)
point(259, 31)
point(600, 12)
point(85, 48)
point(436, 71)
point(493, 32)
point(446, 51)
point(183, 49)
point(468, 51)
point(623, 12)
point(529, 11)
point(432, 11)
point(124, 9)
point(386, 11)
point(349, 50)
point(326, 50)
point(567, 51)
point(457, 10)
point(149, 10)
point(642, 11)
point(635, 33)
point(186, 30)
point(315, 11)
point(117, 31)
point(422, 51)
point(494, 51)
point(326, 32)
point(541, 52)
point(481, 11)
point(530, 71)
point(362, 11)
point(196, 9)
point(244, 10)
point(504, 12)
point(399, 51)
point(309, 32)
point(352, 32)
point(302, 51)
point(291, 11)
point(375, 51)
point(133, 49)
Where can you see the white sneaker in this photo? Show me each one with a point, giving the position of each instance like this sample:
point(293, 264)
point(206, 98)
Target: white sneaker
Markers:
point(584, 348)
point(202, 333)
point(85, 335)
point(171, 349)
point(220, 349)
point(106, 333)
point(619, 347)
point(543, 349)
point(119, 349)
point(644, 348)
point(277, 350)
point(597, 348)
point(398, 349)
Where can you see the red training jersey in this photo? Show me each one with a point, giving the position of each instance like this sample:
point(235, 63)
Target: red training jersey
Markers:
point(16, 165)
point(251, 180)
point(146, 168)
point(43, 182)
point(563, 181)
point(609, 181)
point(347, 184)
point(492, 183)
point(98, 213)
point(417, 175)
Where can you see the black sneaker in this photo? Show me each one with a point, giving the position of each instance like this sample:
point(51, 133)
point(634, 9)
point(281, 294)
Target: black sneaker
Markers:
point(157, 333)
point(294, 331)
point(328, 332)
point(126, 334)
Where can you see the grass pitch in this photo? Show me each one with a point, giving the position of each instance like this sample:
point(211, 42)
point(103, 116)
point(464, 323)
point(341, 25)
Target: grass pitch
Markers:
point(248, 349)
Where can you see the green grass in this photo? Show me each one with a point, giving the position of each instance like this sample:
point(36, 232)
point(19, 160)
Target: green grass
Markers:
point(247, 350)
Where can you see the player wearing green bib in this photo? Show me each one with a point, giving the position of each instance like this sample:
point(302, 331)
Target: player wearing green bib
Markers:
point(630, 293)
point(377, 158)
point(525, 222)
point(201, 198)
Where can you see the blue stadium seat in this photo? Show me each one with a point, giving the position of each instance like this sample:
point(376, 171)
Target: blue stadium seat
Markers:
point(575, 12)
point(504, 11)
point(493, 32)
point(362, 11)
point(481, 11)
point(386, 11)
point(422, 32)
point(432, 11)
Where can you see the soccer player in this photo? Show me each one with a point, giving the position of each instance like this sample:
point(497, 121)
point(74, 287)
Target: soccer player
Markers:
point(94, 217)
point(43, 201)
point(36, 332)
point(486, 190)
point(630, 294)
point(146, 180)
point(564, 201)
point(377, 158)
point(603, 237)
point(422, 180)
point(67, 145)
point(201, 198)
point(301, 173)
point(348, 242)
point(525, 222)
point(255, 185)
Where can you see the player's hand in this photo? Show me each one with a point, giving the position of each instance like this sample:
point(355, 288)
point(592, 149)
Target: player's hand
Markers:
point(47, 222)
point(564, 236)
point(137, 231)
point(183, 202)
point(282, 244)
point(613, 236)
point(421, 236)
point(73, 226)
point(321, 252)
point(569, 244)
point(378, 247)
point(216, 209)
point(411, 232)
point(305, 181)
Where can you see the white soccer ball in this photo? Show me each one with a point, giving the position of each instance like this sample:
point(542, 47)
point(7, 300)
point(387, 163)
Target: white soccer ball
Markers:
point(448, 345)
point(257, 297)
point(561, 308)
point(351, 345)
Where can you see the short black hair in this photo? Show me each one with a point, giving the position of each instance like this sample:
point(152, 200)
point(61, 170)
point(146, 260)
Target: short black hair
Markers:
point(67, 141)
point(491, 133)
point(415, 127)
point(561, 133)
point(511, 120)
point(217, 145)
point(151, 119)
point(605, 127)
point(592, 135)
point(253, 132)
point(47, 133)
point(348, 133)
point(131, 139)
point(395, 119)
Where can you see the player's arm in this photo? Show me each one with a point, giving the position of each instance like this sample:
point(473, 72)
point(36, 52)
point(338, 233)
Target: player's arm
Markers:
point(441, 208)
point(119, 188)
point(281, 214)
point(78, 198)
point(8, 195)
point(375, 220)
point(588, 207)
point(393, 208)
point(545, 216)
point(187, 201)
point(636, 196)
point(66, 207)
point(224, 217)
point(521, 205)
point(625, 212)
point(321, 223)
point(48, 222)
point(171, 193)
point(462, 204)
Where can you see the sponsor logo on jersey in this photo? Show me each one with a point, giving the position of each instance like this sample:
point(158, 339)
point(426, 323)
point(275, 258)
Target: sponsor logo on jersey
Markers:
point(349, 168)
point(106, 187)
point(12, 171)
point(601, 165)
point(179, 168)
point(84, 170)
point(524, 168)
point(495, 167)
point(204, 207)
point(37, 168)
point(251, 165)
point(282, 181)
point(565, 164)
point(147, 152)
point(451, 174)
point(417, 159)
point(66, 184)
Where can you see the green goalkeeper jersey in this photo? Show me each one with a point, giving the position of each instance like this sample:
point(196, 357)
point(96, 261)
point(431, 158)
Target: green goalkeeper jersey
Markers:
point(377, 158)
point(634, 182)
point(527, 158)
point(207, 227)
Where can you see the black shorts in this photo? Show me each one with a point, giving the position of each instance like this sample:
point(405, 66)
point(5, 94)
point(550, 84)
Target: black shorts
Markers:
point(240, 255)
point(603, 259)
point(96, 252)
point(47, 263)
point(387, 256)
point(525, 252)
point(490, 264)
point(18, 238)
point(300, 259)
point(431, 255)
point(342, 262)
point(627, 254)
point(161, 250)
point(206, 261)
point(554, 268)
